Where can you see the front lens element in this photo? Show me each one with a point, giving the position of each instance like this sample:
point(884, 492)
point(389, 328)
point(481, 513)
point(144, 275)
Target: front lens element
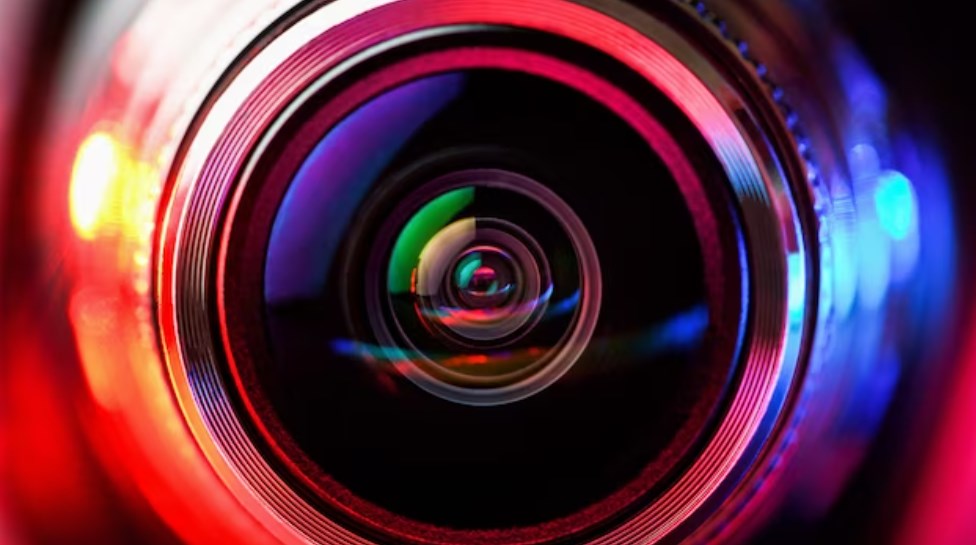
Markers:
point(481, 309)
point(488, 274)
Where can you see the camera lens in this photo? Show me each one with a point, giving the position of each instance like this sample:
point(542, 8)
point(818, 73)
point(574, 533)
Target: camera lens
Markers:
point(485, 288)
point(482, 283)
point(472, 272)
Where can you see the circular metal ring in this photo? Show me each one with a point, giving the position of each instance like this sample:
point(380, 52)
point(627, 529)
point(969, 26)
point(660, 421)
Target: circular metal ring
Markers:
point(696, 195)
point(334, 34)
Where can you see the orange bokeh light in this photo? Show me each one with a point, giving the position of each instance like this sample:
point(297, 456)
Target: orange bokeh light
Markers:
point(97, 168)
point(112, 192)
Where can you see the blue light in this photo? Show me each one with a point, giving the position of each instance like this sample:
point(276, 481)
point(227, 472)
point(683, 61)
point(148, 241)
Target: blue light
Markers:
point(680, 332)
point(894, 200)
point(565, 306)
point(369, 352)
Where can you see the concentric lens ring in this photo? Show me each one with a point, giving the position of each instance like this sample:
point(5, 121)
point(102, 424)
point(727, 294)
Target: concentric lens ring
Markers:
point(491, 288)
point(542, 370)
point(215, 156)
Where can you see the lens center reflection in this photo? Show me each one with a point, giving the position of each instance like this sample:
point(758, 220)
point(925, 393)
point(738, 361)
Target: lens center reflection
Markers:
point(485, 252)
point(484, 279)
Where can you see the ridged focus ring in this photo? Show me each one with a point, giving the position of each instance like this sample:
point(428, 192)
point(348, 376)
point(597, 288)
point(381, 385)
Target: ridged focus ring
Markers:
point(764, 174)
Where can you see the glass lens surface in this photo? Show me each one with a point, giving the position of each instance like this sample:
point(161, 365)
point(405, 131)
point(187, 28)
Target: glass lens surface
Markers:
point(454, 239)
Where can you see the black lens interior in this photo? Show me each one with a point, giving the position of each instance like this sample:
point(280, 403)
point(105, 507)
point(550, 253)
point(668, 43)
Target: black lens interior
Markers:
point(631, 407)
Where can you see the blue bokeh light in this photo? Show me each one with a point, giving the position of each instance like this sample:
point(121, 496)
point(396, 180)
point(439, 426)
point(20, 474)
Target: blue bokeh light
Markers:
point(896, 205)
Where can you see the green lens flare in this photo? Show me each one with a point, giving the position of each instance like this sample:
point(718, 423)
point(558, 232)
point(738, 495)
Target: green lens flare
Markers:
point(419, 230)
point(466, 270)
